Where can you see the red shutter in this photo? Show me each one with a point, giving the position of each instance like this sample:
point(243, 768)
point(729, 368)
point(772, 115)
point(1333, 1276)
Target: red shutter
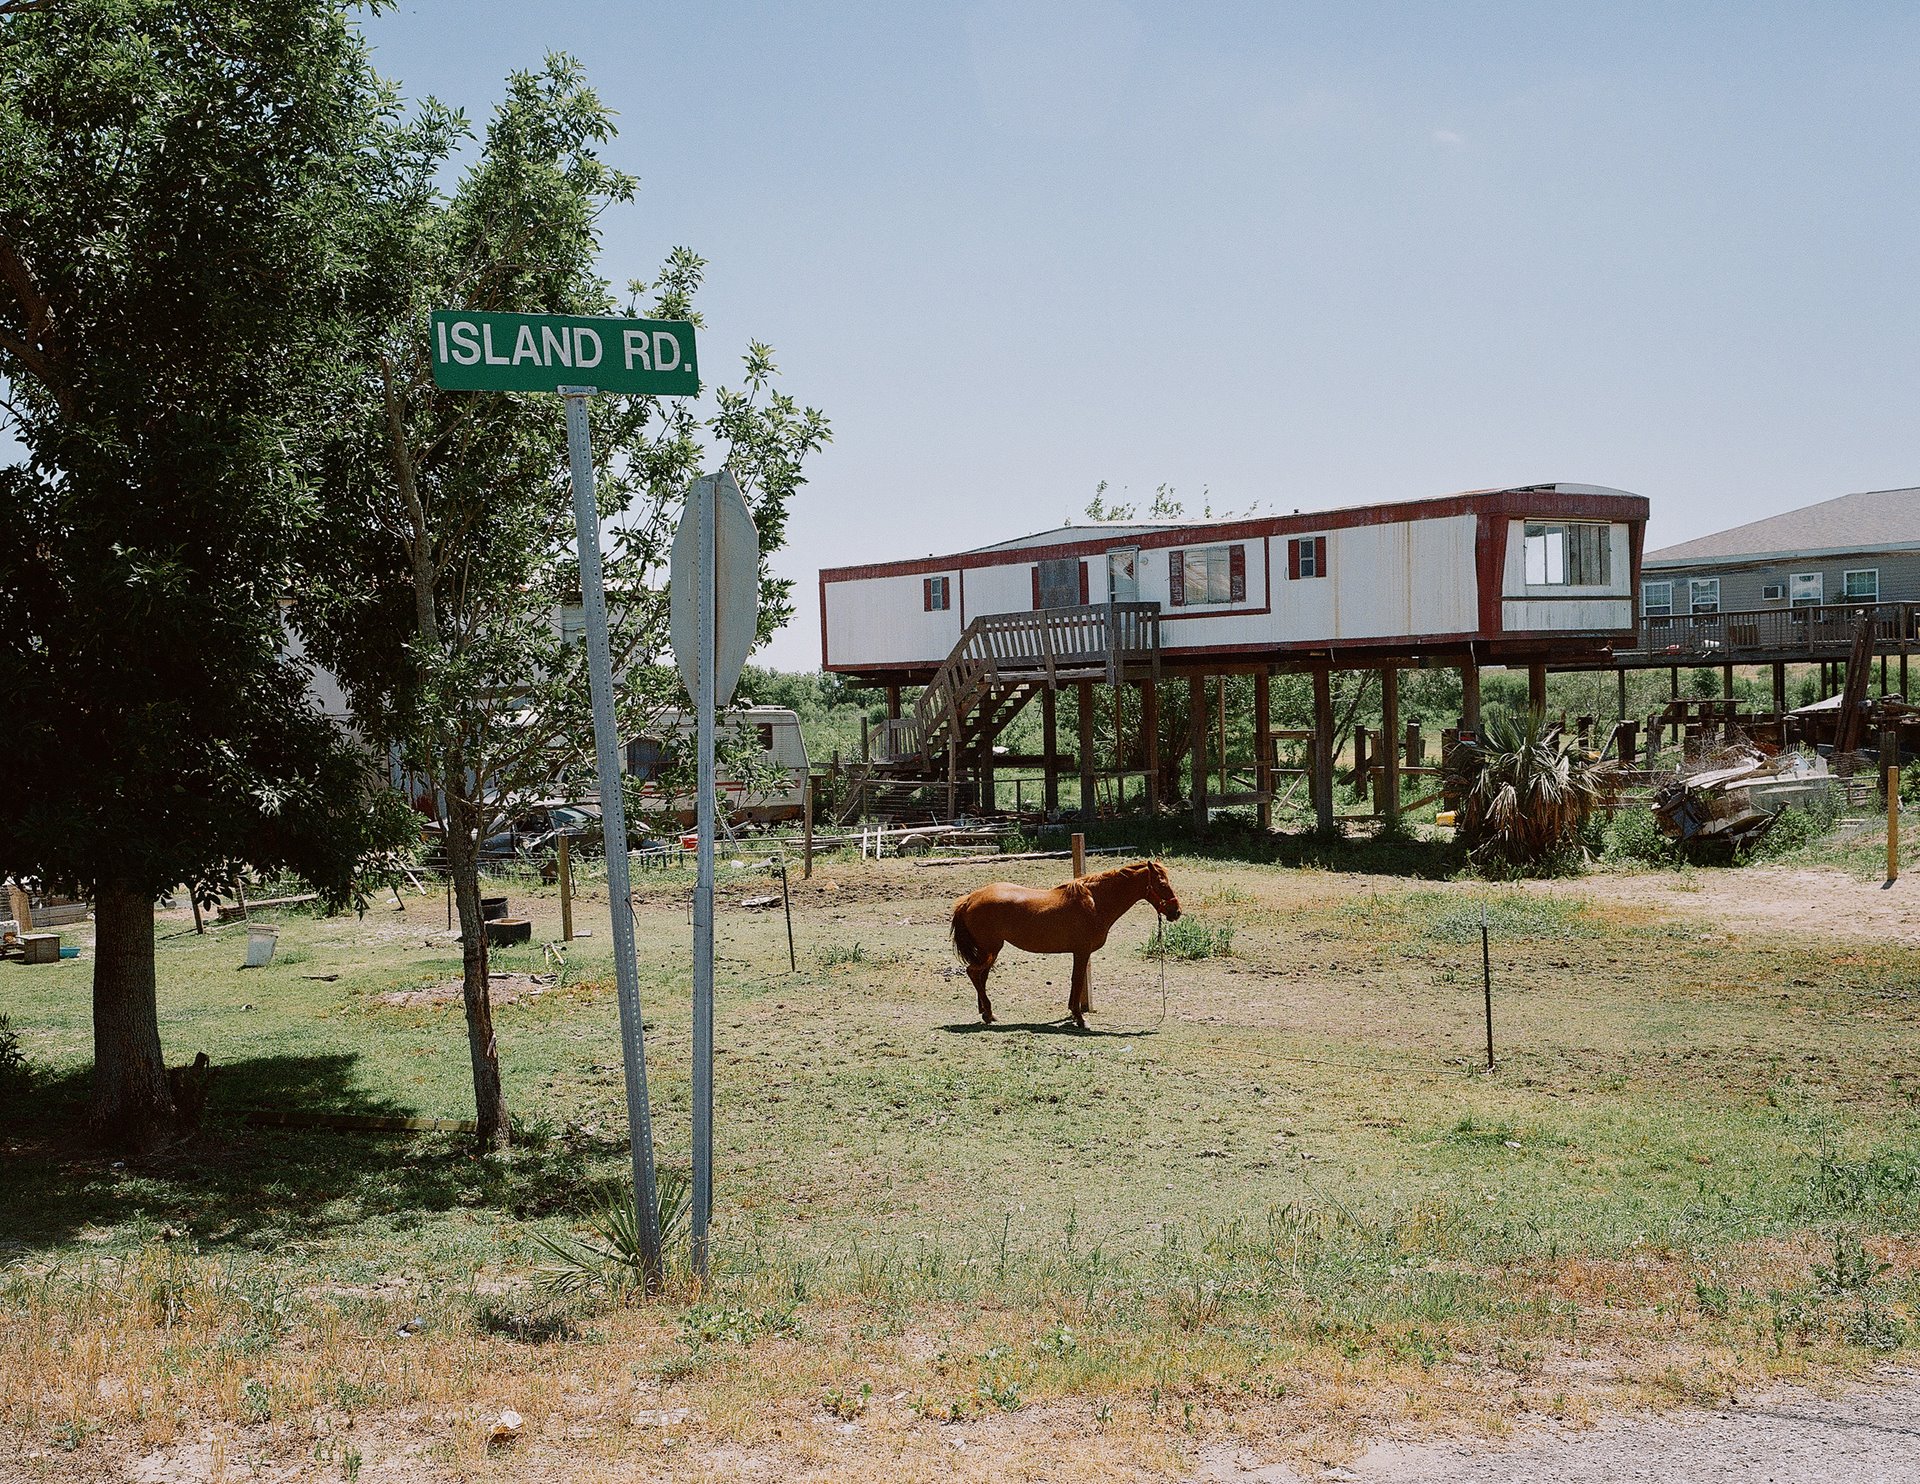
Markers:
point(1176, 578)
point(1293, 560)
point(1319, 556)
point(1083, 582)
point(1236, 574)
point(1036, 585)
point(926, 595)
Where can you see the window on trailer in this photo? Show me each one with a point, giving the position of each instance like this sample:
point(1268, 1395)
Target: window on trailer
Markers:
point(937, 594)
point(1307, 556)
point(1207, 574)
point(1059, 582)
point(1560, 554)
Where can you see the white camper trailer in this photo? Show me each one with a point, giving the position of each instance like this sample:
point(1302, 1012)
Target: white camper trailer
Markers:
point(780, 741)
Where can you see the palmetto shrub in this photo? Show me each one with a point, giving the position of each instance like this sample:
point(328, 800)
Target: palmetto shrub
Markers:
point(1526, 792)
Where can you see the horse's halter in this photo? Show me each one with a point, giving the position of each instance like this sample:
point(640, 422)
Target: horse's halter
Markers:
point(1157, 885)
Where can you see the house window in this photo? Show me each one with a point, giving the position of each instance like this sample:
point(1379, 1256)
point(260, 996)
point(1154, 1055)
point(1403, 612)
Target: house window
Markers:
point(1703, 595)
point(1059, 582)
point(1656, 599)
point(1568, 555)
point(645, 758)
point(1861, 585)
point(1207, 574)
point(1307, 556)
point(936, 594)
point(1806, 589)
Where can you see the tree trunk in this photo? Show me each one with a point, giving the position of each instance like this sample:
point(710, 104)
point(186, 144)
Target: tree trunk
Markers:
point(132, 1104)
point(463, 860)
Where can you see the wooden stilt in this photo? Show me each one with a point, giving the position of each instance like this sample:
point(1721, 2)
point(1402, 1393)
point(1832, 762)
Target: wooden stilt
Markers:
point(1088, 802)
point(1620, 680)
point(1263, 744)
point(1537, 689)
point(1220, 685)
point(1050, 746)
point(1390, 747)
point(1726, 682)
point(893, 702)
point(1779, 687)
point(1673, 682)
point(1197, 740)
point(1150, 728)
point(1322, 761)
point(1470, 696)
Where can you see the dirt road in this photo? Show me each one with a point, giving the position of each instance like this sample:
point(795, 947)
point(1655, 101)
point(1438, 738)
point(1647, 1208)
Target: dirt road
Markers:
point(1868, 1436)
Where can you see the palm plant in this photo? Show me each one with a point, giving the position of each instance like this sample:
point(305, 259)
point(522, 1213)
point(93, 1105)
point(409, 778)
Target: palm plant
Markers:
point(612, 1259)
point(1525, 791)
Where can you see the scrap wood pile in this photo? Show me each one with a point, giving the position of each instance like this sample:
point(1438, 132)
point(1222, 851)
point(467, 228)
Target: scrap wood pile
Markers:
point(1737, 795)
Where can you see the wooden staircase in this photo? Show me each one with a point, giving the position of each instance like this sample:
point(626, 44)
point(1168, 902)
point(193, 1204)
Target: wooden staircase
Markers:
point(998, 665)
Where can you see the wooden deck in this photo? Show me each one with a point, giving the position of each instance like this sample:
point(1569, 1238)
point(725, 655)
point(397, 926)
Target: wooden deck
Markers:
point(1791, 635)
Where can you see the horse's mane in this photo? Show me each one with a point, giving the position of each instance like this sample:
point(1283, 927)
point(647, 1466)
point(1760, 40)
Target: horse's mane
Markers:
point(1112, 871)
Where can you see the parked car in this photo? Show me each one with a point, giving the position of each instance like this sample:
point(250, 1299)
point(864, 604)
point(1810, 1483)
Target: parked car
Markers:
point(534, 831)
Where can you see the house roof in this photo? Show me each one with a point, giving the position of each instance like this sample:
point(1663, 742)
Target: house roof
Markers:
point(1071, 534)
point(1872, 520)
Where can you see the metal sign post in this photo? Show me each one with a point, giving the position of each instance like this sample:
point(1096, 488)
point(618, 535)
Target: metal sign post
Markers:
point(479, 351)
point(715, 582)
point(703, 889)
point(613, 832)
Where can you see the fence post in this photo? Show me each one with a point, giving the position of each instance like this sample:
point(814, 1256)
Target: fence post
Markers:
point(564, 869)
point(1893, 824)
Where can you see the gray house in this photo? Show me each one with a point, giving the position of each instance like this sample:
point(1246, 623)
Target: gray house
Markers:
point(1856, 549)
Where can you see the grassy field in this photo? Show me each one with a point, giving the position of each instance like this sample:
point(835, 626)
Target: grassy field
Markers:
point(1291, 1212)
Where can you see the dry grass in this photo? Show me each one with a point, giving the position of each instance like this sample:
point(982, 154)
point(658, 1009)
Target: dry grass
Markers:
point(1286, 1217)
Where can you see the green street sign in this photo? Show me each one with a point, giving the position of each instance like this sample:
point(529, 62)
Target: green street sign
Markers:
point(475, 352)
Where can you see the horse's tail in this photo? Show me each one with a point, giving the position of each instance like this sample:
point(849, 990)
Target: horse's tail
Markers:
point(963, 939)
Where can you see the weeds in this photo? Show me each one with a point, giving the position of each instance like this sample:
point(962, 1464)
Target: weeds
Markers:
point(1191, 938)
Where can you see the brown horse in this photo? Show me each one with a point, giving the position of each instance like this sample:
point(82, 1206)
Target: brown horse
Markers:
point(1074, 918)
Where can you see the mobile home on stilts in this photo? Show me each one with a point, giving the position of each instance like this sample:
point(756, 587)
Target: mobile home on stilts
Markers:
point(1532, 576)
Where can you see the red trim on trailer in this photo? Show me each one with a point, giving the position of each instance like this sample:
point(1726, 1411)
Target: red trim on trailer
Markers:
point(1490, 566)
point(826, 663)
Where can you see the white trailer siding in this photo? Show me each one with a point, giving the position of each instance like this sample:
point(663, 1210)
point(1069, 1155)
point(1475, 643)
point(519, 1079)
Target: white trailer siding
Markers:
point(884, 621)
point(1448, 572)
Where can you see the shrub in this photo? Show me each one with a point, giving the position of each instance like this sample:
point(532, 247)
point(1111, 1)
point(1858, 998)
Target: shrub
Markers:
point(1633, 834)
point(13, 1061)
point(1527, 793)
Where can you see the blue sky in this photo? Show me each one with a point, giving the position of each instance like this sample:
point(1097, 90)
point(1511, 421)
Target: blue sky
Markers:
point(1294, 255)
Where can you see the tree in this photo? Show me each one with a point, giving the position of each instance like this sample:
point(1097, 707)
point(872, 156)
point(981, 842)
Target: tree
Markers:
point(438, 583)
point(171, 180)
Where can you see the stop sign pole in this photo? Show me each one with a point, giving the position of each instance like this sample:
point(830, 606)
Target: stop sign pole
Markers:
point(715, 597)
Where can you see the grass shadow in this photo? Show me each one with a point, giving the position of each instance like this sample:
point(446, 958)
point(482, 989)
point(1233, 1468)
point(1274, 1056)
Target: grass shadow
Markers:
point(259, 1186)
point(1040, 1028)
point(1232, 838)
